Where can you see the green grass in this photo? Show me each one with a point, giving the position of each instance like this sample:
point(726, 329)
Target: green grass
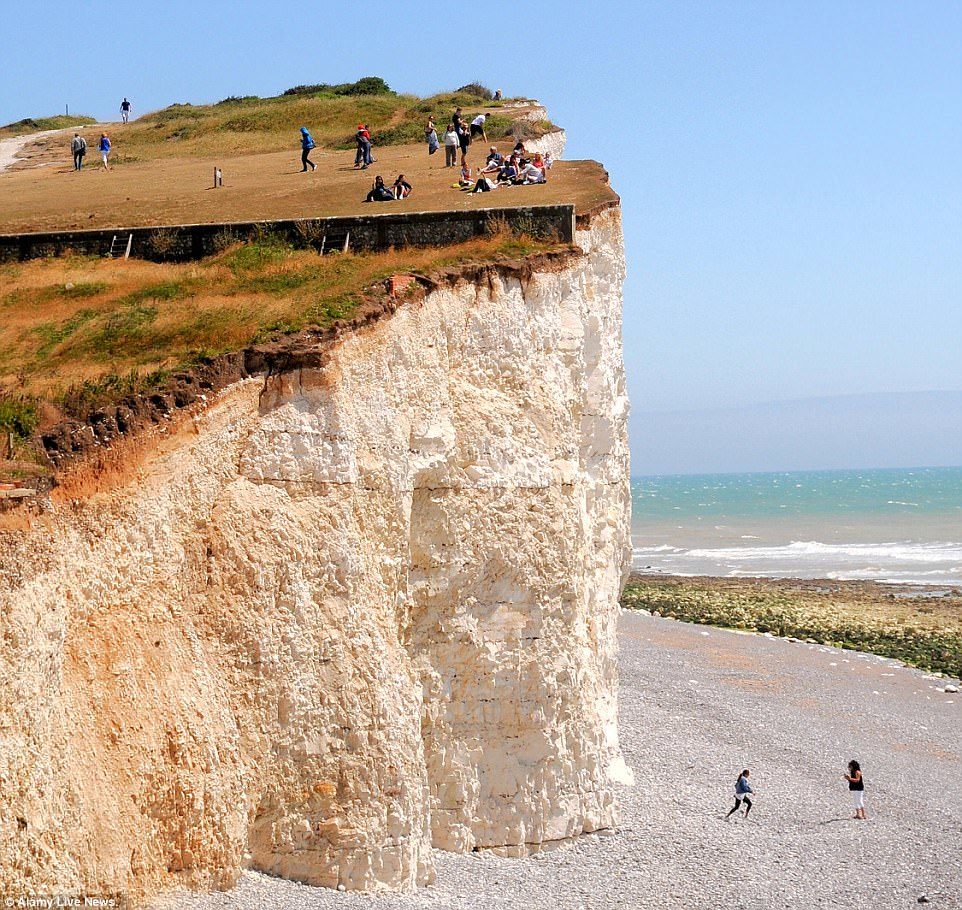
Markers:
point(923, 632)
point(19, 414)
point(255, 124)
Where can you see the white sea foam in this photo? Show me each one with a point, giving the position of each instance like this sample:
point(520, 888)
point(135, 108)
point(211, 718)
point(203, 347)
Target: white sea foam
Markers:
point(897, 562)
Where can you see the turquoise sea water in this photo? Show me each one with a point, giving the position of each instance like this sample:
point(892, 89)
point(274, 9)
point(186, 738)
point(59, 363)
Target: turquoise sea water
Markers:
point(901, 525)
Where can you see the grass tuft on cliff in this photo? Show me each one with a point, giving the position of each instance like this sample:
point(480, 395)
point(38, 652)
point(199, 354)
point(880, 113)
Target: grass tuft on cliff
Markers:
point(925, 632)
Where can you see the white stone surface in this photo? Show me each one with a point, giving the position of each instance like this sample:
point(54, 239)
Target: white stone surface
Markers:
point(346, 615)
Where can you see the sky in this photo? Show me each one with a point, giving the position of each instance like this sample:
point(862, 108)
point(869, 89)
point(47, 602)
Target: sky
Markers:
point(790, 172)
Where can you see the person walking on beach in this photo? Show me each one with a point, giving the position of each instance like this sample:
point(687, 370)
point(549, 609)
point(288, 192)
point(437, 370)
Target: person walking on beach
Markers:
point(79, 148)
point(125, 110)
point(104, 150)
point(856, 784)
point(742, 791)
point(307, 143)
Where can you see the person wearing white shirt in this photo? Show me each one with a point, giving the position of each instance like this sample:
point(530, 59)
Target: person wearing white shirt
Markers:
point(532, 174)
point(477, 127)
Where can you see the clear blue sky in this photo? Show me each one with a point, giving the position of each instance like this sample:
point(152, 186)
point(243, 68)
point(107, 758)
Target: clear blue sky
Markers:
point(791, 172)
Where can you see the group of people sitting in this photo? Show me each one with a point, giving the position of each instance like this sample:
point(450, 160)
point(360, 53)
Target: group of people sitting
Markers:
point(518, 169)
point(381, 192)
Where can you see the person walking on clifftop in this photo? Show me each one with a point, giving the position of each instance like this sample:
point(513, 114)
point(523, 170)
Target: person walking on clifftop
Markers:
point(104, 150)
point(79, 148)
point(125, 110)
point(742, 791)
point(307, 143)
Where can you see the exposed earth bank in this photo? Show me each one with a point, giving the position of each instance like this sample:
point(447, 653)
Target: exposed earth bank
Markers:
point(696, 705)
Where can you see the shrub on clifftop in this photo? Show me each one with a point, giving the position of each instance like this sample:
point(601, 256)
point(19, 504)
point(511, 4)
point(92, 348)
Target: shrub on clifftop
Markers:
point(368, 85)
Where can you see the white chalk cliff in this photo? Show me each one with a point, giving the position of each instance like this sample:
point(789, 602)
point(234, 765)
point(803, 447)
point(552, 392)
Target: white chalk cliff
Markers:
point(342, 616)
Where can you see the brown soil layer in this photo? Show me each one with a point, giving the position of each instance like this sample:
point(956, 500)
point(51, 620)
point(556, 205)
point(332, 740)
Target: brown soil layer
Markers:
point(72, 445)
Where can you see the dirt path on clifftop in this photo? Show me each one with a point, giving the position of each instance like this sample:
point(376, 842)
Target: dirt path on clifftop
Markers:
point(697, 705)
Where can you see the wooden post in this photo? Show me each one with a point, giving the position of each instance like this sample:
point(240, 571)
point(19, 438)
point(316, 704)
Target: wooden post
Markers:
point(130, 243)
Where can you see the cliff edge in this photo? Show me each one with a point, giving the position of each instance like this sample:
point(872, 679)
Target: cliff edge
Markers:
point(343, 614)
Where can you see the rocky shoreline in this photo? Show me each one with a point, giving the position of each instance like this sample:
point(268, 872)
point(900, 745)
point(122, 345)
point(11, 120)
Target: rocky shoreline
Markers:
point(697, 705)
point(920, 625)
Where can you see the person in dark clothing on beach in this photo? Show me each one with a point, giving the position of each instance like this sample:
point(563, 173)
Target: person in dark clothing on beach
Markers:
point(307, 143)
point(379, 192)
point(402, 189)
point(856, 785)
point(79, 148)
point(742, 791)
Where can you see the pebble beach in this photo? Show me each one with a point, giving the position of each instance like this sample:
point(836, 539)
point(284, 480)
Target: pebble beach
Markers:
point(697, 705)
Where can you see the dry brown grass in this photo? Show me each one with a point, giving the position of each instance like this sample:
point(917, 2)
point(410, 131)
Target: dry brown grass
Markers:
point(64, 322)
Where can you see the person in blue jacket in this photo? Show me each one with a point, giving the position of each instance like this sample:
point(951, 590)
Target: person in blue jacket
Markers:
point(742, 791)
point(307, 143)
point(104, 150)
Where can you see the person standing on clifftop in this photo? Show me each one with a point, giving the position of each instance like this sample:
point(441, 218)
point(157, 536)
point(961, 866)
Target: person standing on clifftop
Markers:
point(450, 146)
point(431, 135)
point(363, 158)
point(742, 791)
point(307, 143)
point(79, 148)
point(125, 110)
point(104, 150)
point(464, 139)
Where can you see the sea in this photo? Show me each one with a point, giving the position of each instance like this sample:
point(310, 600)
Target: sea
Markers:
point(901, 526)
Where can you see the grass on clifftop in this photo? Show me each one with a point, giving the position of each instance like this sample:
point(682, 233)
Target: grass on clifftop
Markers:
point(923, 631)
point(77, 329)
point(38, 124)
point(332, 113)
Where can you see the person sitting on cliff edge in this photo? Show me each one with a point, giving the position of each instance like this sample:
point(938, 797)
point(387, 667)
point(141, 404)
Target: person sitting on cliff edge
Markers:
point(379, 192)
point(494, 162)
point(402, 189)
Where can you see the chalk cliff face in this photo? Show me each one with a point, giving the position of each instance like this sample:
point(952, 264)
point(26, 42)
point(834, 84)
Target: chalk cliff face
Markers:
point(358, 611)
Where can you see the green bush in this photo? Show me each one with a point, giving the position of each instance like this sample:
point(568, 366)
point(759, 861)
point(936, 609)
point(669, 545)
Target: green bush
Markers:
point(18, 415)
point(369, 85)
point(237, 99)
point(476, 90)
